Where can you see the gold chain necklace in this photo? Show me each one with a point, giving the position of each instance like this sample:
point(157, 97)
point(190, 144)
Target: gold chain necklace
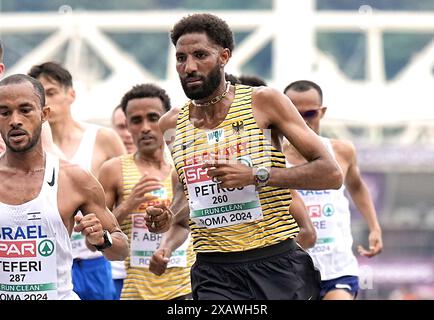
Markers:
point(215, 99)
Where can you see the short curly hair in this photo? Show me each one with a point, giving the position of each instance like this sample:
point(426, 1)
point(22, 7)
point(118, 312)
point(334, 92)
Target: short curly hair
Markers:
point(215, 28)
point(147, 90)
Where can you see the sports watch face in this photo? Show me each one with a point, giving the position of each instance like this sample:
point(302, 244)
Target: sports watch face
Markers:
point(262, 174)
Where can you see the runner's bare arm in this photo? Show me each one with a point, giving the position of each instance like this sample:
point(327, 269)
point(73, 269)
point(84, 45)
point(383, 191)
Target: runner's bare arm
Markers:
point(177, 233)
point(274, 111)
point(160, 218)
point(109, 176)
point(96, 216)
point(180, 228)
point(361, 196)
point(306, 238)
point(167, 124)
point(172, 239)
point(179, 205)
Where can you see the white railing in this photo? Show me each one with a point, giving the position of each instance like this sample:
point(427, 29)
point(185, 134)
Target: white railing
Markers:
point(291, 25)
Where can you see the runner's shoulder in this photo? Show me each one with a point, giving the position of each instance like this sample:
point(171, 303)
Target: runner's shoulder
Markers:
point(168, 120)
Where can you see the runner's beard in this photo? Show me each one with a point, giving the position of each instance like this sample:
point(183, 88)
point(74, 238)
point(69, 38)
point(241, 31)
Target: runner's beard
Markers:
point(209, 85)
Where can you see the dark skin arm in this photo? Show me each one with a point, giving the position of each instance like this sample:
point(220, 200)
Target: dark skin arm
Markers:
point(306, 238)
point(179, 203)
point(111, 179)
point(177, 233)
point(274, 111)
point(161, 215)
point(167, 124)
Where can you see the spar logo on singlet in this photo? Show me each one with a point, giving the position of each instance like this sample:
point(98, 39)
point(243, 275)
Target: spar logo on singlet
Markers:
point(314, 211)
point(18, 249)
point(321, 215)
point(26, 249)
point(21, 242)
point(46, 248)
point(196, 174)
point(317, 211)
point(139, 221)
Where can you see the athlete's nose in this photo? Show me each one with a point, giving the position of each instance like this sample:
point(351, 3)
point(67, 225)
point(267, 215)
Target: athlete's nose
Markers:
point(190, 65)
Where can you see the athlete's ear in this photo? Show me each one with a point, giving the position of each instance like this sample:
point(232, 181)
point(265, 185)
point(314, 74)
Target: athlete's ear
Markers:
point(225, 55)
point(323, 111)
point(45, 113)
point(71, 94)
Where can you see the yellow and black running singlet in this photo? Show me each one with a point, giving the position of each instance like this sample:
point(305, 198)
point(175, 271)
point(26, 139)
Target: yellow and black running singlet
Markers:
point(233, 219)
point(140, 283)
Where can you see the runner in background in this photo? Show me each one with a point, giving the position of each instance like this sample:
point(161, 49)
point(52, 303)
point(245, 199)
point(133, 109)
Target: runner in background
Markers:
point(119, 124)
point(89, 146)
point(135, 181)
point(329, 209)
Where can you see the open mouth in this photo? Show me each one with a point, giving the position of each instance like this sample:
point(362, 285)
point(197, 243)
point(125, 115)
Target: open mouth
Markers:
point(17, 136)
point(147, 139)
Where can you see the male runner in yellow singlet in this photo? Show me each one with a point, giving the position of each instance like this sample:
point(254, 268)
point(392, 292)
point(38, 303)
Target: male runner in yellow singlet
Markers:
point(134, 181)
point(228, 157)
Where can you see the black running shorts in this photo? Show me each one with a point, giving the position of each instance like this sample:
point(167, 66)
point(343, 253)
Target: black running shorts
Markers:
point(278, 272)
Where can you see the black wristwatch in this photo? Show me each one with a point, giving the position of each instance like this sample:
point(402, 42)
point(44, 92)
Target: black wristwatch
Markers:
point(262, 175)
point(108, 242)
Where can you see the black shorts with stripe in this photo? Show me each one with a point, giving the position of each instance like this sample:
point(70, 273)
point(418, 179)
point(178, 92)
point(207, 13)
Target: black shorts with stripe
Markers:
point(283, 271)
